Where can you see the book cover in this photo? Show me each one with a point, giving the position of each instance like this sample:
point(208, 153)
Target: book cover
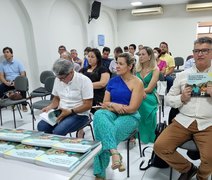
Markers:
point(51, 116)
point(59, 159)
point(6, 146)
point(43, 140)
point(199, 83)
point(25, 153)
point(75, 144)
point(16, 135)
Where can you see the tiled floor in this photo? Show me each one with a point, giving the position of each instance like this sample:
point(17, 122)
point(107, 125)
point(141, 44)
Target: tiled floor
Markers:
point(86, 172)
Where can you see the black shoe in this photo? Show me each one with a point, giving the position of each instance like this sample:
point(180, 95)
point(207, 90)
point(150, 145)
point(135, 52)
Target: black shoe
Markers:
point(189, 174)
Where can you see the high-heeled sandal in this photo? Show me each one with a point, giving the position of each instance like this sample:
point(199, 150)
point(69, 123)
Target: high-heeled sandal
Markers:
point(118, 164)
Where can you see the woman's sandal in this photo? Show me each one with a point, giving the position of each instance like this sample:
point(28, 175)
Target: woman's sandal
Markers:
point(118, 164)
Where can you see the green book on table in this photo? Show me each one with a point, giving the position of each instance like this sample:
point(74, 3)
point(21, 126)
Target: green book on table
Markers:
point(43, 140)
point(25, 153)
point(59, 159)
point(6, 146)
point(16, 135)
point(75, 144)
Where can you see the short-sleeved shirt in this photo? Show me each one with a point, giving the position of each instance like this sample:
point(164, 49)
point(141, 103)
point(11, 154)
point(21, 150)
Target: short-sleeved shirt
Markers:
point(106, 62)
point(72, 94)
point(112, 66)
point(162, 64)
point(11, 69)
point(94, 77)
point(169, 61)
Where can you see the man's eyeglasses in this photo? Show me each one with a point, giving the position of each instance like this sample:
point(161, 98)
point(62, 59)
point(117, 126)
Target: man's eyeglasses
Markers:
point(203, 51)
point(63, 77)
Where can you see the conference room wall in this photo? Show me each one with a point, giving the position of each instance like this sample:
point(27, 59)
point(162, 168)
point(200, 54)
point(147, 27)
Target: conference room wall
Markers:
point(35, 29)
point(176, 26)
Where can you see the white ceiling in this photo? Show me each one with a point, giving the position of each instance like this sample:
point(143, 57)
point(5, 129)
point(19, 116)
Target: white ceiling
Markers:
point(125, 4)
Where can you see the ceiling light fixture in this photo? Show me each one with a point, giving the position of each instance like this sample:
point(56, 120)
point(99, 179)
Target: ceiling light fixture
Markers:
point(136, 3)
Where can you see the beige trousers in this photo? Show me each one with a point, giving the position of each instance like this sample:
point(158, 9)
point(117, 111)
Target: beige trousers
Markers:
point(173, 136)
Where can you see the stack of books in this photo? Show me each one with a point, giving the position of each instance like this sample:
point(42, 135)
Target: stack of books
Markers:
point(44, 149)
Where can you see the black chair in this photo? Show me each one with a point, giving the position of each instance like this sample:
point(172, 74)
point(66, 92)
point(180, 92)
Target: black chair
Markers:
point(179, 61)
point(161, 97)
point(49, 83)
point(42, 91)
point(21, 84)
point(132, 135)
point(85, 125)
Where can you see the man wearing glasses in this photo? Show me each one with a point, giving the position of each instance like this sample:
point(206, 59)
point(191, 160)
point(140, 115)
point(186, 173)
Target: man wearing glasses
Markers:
point(194, 119)
point(73, 94)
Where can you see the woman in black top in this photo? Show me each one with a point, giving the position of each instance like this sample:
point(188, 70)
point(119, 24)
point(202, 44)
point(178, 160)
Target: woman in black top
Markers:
point(98, 74)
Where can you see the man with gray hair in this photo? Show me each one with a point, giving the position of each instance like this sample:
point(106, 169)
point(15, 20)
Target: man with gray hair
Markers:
point(73, 95)
point(67, 55)
point(194, 120)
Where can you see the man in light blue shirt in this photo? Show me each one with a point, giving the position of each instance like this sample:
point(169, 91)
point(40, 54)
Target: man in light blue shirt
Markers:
point(189, 63)
point(9, 70)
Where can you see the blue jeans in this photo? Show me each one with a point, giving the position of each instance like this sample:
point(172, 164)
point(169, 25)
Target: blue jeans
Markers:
point(68, 124)
point(170, 81)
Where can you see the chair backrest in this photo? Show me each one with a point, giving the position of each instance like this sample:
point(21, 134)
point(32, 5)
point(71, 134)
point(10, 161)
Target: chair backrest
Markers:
point(49, 83)
point(21, 83)
point(44, 75)
point(179, 61)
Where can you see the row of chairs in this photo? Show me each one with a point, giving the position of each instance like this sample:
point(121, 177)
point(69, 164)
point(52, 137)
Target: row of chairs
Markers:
point(22, 84)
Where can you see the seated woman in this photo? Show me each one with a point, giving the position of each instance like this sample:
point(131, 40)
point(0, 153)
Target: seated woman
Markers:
point(73, 94)
point(118, 117)
point(160, 63)
point(99, 75)
point(148, 72)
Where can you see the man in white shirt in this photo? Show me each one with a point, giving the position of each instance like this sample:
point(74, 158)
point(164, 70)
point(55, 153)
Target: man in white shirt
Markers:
point(73, 94)
point(194, 119)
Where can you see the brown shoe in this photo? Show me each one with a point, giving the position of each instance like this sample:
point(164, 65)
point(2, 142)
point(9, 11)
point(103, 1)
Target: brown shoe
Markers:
point(24, 108)
point(189, 174)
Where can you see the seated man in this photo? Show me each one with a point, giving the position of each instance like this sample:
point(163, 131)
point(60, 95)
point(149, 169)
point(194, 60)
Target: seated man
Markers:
point(165, 55)
point(194, 119)
point(67, 55)
point(61, 49)
point(73, 94)
point(10, 68)
point(75, 58)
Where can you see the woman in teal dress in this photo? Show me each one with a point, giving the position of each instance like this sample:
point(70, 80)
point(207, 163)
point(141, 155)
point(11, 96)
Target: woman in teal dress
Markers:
point(148, 72)
point(118, 117)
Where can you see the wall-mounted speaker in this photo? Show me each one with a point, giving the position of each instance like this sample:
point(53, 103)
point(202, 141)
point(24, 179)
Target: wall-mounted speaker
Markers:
point(95, 10)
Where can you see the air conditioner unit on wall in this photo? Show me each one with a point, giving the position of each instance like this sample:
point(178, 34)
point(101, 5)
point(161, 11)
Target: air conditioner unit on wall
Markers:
point(199, 7)
point(147, 11)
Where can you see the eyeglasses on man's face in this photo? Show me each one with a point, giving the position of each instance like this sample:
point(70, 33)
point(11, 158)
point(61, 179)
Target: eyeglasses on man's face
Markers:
point(204, 51)
point(63, 77)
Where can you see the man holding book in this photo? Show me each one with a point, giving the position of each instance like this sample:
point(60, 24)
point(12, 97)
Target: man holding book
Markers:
point(194, 119)
point(73, 95)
